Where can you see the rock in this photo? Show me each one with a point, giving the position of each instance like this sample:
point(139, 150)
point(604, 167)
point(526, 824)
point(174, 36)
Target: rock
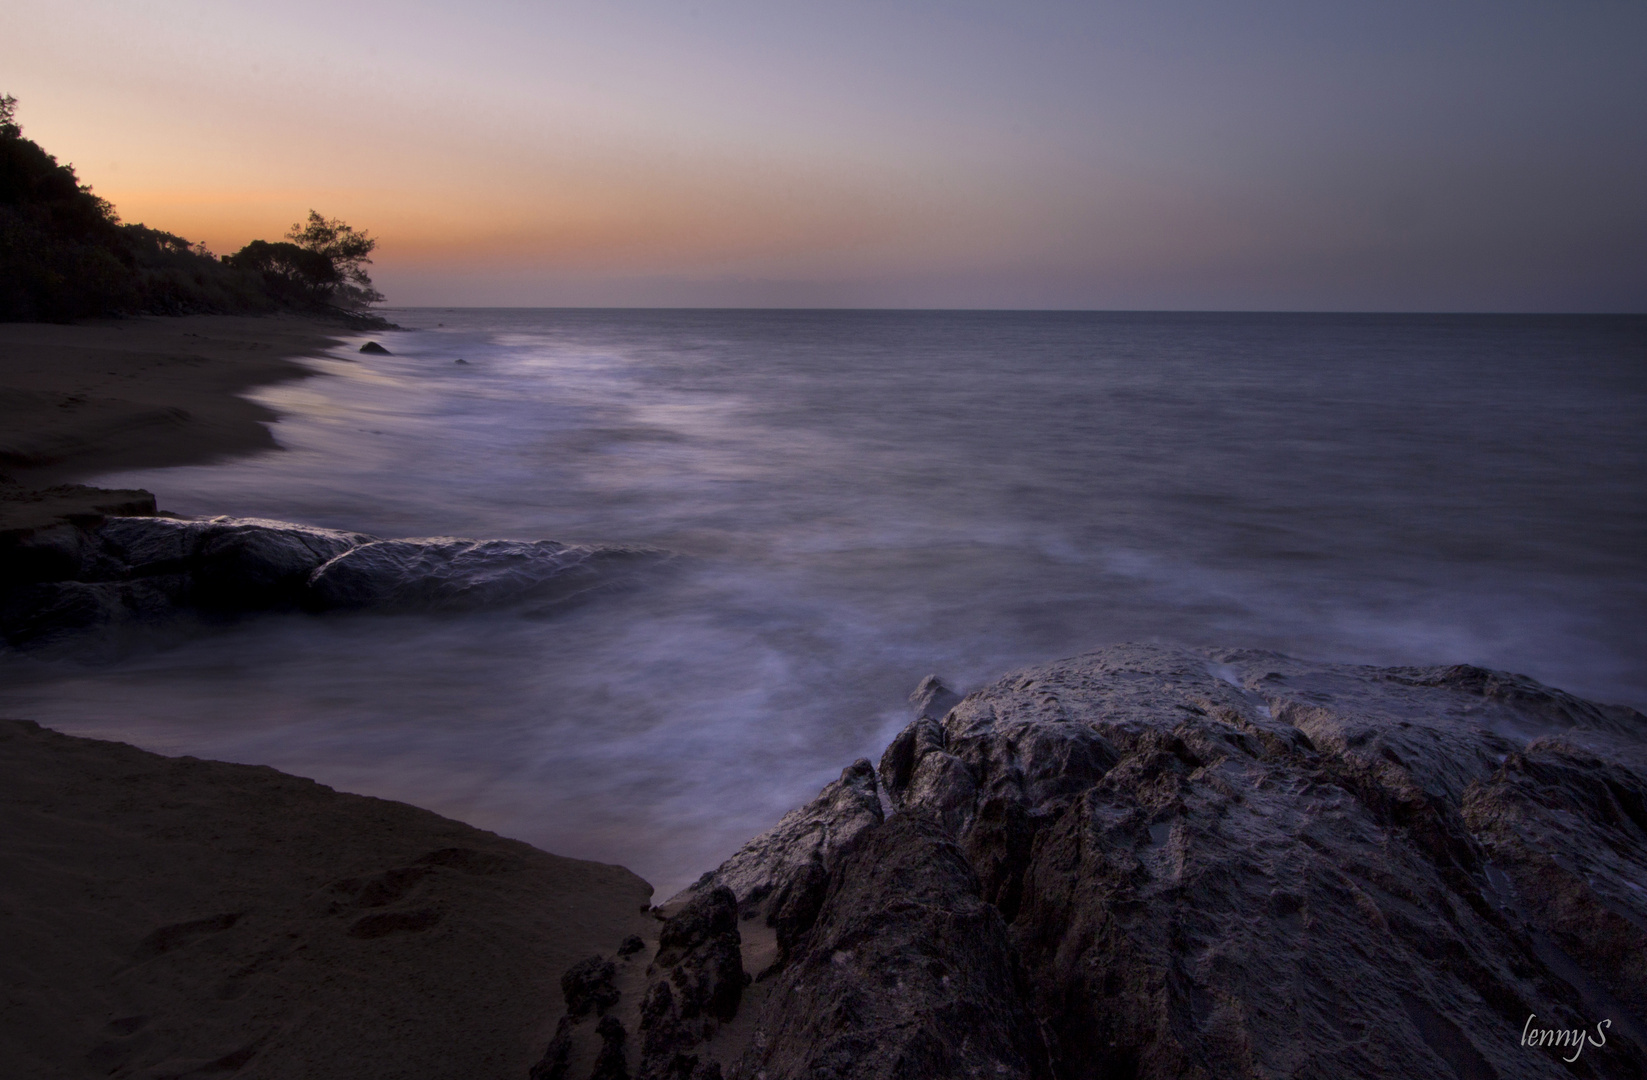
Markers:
point(1152, 863)
point(1237, 864)
point(932, 699)
point(45, 610)
point(701, 986)
point(116, 570)
point(252, 563)
point(906, 973)
point(588, 986)
point(609, 1060)
point(445, 572)
point(25, 510)
point(460, 360)
point(766, 870)
point(131, 569)
point(375, 349)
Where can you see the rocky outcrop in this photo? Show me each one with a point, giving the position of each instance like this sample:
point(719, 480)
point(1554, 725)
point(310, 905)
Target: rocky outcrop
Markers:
point(904, 972)
point(1151, 863)
point(784, 865)
point(115, 570)
point(692, 986)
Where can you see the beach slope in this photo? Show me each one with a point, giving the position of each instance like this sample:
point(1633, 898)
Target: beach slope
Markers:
point(177, 917)
point(142, 392)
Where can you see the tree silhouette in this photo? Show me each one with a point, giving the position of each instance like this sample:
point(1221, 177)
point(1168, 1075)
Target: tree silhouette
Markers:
point(347, 250)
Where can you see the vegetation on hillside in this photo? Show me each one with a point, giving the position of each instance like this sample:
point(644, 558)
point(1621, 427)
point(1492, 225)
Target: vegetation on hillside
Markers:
point(64, 254)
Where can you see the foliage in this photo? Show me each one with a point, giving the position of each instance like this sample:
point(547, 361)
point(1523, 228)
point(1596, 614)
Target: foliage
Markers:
point(8, 117)
point(65, 255)
point(289, 272)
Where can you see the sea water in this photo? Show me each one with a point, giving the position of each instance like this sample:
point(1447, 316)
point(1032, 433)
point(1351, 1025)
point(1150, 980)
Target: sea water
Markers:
point(856, 499)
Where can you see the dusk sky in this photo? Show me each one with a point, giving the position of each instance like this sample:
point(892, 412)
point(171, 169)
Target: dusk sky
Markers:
point(1166, 155)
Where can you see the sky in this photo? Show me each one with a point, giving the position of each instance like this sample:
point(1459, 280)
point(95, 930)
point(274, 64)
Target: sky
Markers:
point(1445, 155)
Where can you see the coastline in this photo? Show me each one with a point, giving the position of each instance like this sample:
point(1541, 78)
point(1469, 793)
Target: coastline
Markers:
point(1112, 864)
point(181, 915)
point(153, 391)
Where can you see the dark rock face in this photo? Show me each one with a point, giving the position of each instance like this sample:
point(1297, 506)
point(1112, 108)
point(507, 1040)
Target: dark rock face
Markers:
point(775, 867)
point(588, 987)
point(116, 570)
point(700, 987)
point(1240, 865)
point(375, 349)
point(906, 971)
point(1152, 863)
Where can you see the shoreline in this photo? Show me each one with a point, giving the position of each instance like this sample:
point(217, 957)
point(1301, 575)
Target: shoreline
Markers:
point(1104, 865)
point(183, 915)
point(106, 395)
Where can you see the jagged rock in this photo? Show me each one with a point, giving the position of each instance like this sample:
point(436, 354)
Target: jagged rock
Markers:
point(932, 700)
point(609, 1060)
point(557, 1059)
point(375, 349)
point(906, 973)
point(1565, 828)
point(1237, 864)
point(587, 986)
point(767, 869)
point(444, 572)
point(701, 986)
point(1151, 863)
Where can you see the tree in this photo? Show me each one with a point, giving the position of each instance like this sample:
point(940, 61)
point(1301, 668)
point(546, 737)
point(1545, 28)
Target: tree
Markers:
point(347, 249)
point(291, 274)
point(8, 118)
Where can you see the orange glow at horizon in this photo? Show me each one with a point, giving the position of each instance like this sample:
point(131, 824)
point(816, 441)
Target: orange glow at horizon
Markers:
point(1068, 155)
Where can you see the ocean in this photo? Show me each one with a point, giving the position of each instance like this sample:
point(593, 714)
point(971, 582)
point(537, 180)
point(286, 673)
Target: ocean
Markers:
point(855, 499)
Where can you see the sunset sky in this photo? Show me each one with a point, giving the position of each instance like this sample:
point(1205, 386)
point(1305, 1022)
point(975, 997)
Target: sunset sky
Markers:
point(1231, 155)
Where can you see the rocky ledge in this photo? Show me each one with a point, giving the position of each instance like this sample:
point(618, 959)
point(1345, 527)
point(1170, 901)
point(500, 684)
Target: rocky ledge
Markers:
point(85, 570)
point(1148, 862)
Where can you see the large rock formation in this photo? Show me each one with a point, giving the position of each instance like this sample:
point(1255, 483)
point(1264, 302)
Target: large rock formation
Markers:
point(72, 574)
point(1148, 862)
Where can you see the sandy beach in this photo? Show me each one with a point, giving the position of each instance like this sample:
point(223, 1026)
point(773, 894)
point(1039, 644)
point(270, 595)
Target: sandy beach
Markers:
point(130, 393)
point(172, 917)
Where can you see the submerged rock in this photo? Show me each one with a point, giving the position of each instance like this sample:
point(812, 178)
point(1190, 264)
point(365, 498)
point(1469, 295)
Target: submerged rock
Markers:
point(117, 570)
point(445, 572)
point(1154, 863)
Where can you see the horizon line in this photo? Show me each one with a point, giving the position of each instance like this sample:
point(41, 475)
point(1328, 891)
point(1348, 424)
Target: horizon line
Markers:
point(1012, 310)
